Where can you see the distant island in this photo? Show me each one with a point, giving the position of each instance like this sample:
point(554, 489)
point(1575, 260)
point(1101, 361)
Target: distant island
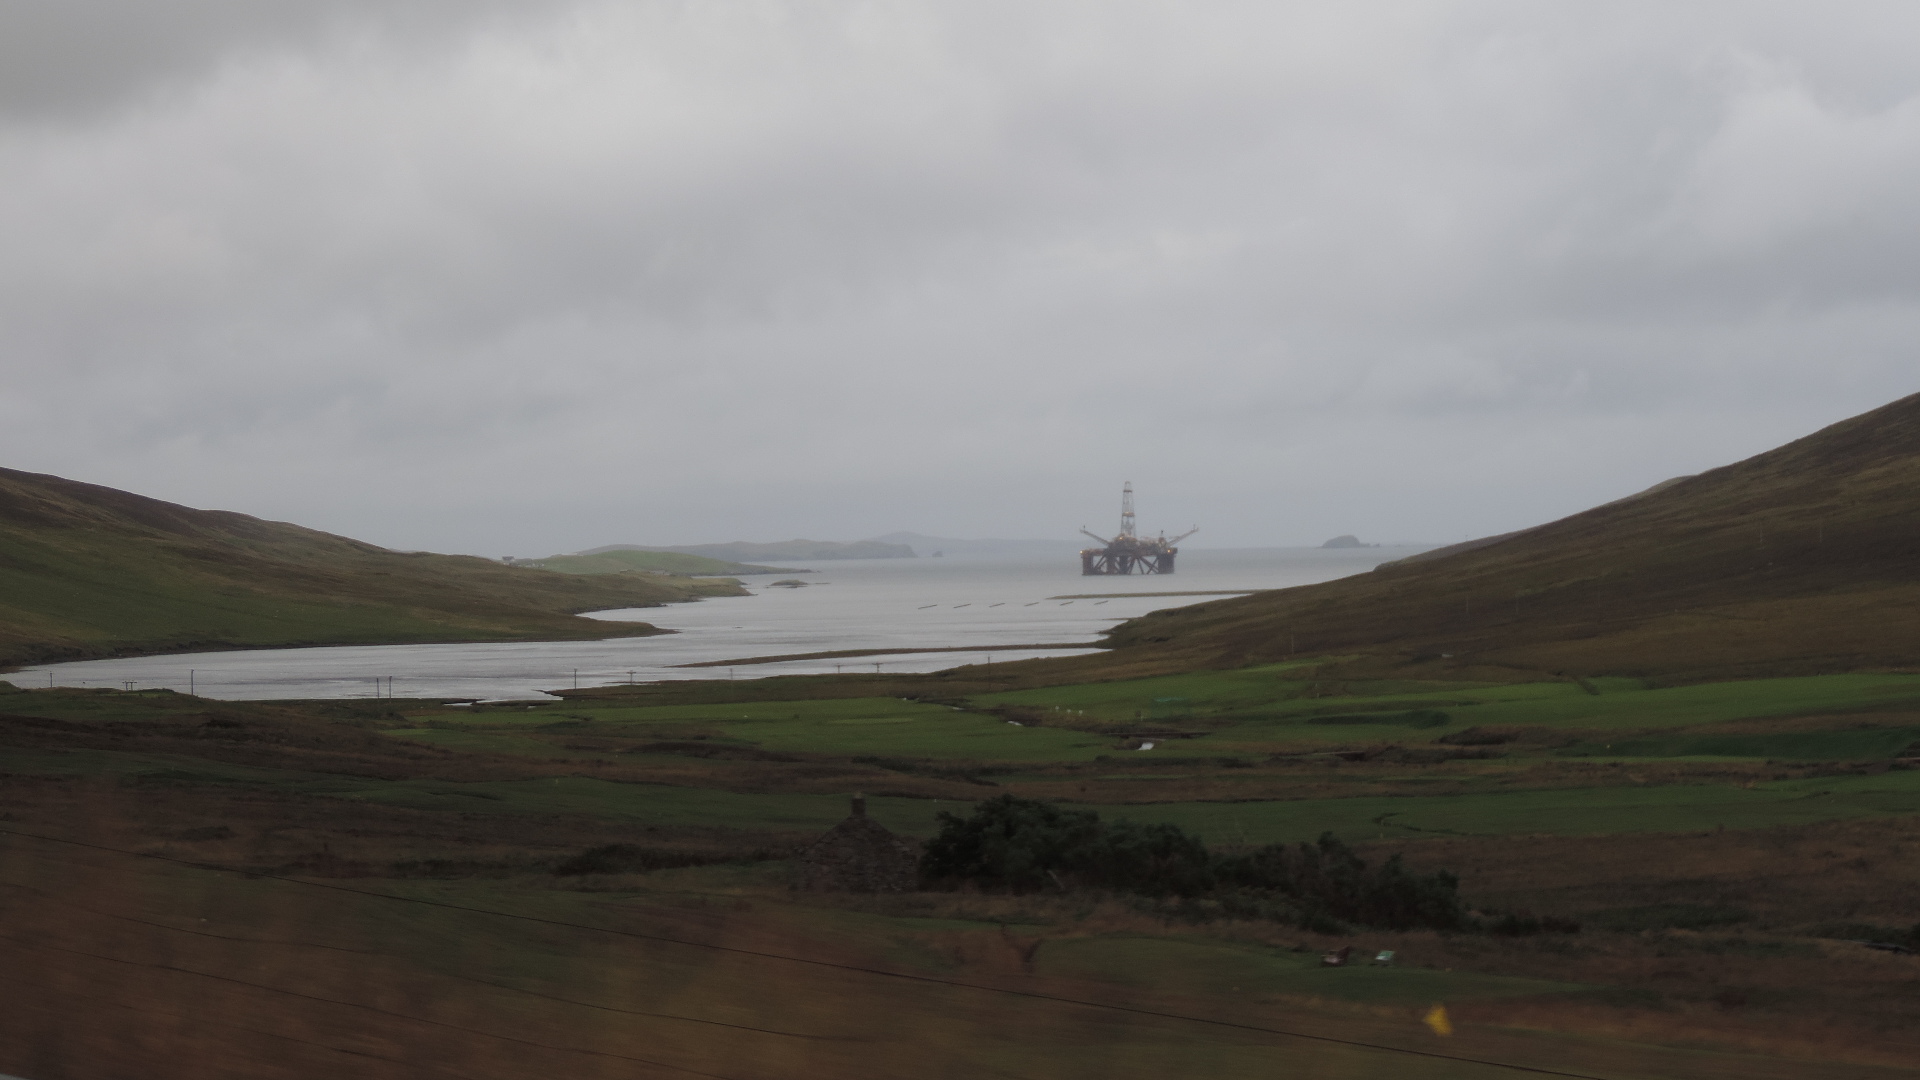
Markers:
point(741, 551)
point(1347, 541)
point(634, 560)
point(957, 547)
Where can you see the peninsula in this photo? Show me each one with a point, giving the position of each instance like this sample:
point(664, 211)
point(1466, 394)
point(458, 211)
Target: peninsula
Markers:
point(89, 571)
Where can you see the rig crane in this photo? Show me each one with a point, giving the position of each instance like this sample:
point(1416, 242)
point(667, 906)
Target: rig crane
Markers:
point(1128, 552)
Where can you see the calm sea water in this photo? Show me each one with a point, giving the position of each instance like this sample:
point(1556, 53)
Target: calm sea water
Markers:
point(979, 604)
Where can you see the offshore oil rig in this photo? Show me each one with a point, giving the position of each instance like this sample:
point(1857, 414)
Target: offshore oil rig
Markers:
point(1128, 553)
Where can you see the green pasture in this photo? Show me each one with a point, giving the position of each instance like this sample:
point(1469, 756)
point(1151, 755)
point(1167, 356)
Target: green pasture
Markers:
point(611, 719)
point(1260, 706)
point(516, 743)
point(1205, 692)
point(1562, 811)
point(1566, 811)
point(1860, 745)
point(877, 727)
point(1241, 722)
point(642, 804)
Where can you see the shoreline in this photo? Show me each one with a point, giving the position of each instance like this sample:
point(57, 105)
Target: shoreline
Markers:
point(835, 654)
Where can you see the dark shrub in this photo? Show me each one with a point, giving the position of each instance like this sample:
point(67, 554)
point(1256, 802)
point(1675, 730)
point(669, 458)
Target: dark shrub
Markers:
point(1022, 845)
point(1153, 860)
point(1019, 845)
point(1328, 882)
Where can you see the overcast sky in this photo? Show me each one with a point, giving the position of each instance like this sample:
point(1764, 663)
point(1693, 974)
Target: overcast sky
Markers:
point(520, 278)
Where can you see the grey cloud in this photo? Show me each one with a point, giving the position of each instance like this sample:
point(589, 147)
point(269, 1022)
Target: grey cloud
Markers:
point(67, 59)
point(663, 272)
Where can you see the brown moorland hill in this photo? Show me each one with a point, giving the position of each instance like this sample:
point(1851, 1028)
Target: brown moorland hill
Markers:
point(1799, 560)
point(91, 571)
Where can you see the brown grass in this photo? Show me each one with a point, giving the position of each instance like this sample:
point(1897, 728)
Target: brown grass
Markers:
point(95, 937)
point(1801, 560)
point(155, 970)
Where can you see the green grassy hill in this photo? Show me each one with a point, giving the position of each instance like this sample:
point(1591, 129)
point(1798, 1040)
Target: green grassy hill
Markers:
point(627, 560)
point(1799, 560)
point(90, 571)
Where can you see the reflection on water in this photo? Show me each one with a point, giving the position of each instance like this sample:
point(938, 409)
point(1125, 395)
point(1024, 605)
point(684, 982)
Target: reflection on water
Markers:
point(903, 604)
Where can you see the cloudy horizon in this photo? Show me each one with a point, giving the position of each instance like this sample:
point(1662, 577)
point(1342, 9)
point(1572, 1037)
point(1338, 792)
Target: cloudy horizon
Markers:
point(538, 277)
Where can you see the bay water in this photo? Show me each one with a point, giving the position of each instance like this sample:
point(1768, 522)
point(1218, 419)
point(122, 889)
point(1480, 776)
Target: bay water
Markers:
point(986, 606)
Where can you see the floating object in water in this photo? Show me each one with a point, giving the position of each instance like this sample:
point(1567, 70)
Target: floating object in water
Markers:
point(1097, 603)
point(957, 606)
point(1001, 604)
point(1144, 746)
point(924, 607)
point(1029, 605)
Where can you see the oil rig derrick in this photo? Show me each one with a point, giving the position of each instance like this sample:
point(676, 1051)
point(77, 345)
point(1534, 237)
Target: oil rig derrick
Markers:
point(1129, 553)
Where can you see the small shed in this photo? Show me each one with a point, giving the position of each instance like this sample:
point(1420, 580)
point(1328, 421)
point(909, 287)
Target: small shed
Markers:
point(859, 855)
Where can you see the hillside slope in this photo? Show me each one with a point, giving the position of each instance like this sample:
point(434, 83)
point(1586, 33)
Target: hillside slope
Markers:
point(91, 571)
point(1804, 558)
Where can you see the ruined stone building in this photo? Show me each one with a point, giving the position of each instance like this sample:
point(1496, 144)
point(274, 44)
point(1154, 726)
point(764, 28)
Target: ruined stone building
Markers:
point(859, 855)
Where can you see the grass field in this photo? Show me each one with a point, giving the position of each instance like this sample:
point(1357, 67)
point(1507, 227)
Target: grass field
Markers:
point(1720, 843)
point(1670, 747)
point(677, 975)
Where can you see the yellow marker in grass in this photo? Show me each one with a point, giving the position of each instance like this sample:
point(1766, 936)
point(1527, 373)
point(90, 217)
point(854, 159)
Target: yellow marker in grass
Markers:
point(1436, 1019)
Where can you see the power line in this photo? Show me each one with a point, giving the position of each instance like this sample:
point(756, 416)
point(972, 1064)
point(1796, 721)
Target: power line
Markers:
point(1032, 995)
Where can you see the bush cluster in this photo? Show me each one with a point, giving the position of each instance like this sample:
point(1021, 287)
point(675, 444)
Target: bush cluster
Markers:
point(1022, 845)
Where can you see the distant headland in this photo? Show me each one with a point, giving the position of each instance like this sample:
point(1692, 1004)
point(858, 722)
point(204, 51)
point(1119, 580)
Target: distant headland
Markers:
point(740, 551)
